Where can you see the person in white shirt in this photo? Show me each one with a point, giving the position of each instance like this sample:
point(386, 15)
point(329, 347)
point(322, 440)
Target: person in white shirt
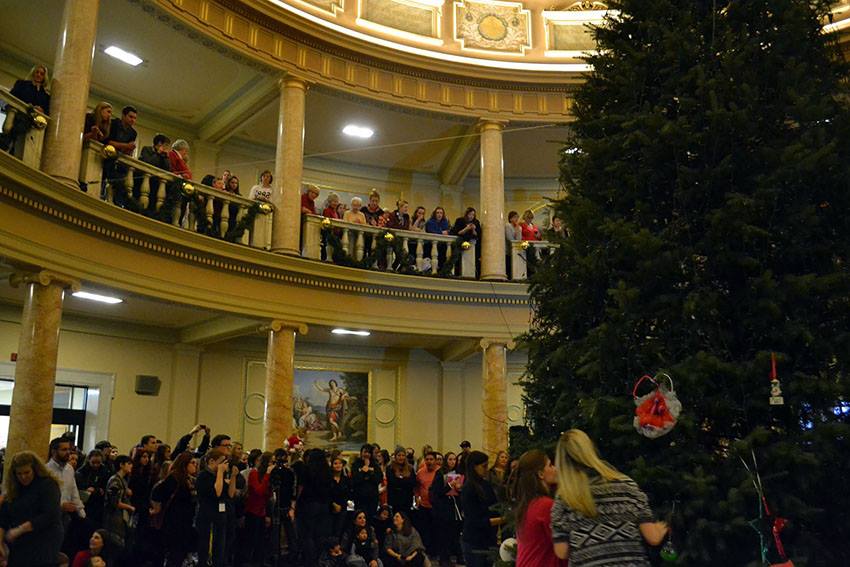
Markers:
point(60, 451)
point(263, 190)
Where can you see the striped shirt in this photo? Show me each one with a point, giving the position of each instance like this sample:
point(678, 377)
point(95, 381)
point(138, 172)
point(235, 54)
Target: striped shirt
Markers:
point(613, 537)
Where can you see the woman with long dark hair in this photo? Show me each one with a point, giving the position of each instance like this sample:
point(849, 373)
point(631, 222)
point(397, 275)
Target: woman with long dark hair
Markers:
point(531, 493)
point(404, 546)
point(99, 546)
point(173, 507)
point(30, 516)
point(601, 516)
point(401, 480)
point(257, 517)
point(365, 481)
point(340, 493)
point(480, 522)
point(445, 500)
point(313, 505)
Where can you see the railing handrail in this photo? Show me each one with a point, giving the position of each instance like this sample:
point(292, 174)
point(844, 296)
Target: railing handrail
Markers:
point(18, 104)
point(143, 167)
point(535, 243)
point(368, 228)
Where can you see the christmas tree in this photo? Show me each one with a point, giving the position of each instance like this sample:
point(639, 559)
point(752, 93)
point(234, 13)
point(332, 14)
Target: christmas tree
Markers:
point(708, 185)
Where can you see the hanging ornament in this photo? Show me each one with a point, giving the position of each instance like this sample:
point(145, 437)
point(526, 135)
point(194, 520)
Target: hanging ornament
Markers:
point(776, 398)
point(656, 412)
point(768, 525)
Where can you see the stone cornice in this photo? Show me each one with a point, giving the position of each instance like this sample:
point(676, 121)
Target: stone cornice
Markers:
point(45, 198)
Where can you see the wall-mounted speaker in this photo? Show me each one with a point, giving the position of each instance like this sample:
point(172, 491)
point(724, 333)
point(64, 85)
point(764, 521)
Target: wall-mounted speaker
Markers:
point(147, 385)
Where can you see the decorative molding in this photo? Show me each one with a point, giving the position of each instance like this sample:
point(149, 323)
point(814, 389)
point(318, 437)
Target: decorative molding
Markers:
point(269, 44)
point(278, 325)
point(236, 259)
point(401, 17)
point(43, 278)
point(493, 26)
point(332, 7)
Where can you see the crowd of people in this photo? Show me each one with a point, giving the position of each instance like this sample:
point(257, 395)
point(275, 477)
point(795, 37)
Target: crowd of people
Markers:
point(102, 126)
point(215, 504)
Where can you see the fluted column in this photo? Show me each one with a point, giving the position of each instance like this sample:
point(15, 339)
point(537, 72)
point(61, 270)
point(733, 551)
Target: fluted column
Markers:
point(70, 90)
point(289, 166)
point(494, 399)
point(280, 379)
point(492, 201)
point(35, 372)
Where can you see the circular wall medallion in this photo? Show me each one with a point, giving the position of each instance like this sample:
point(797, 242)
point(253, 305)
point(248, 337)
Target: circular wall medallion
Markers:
point(254, 407)
point(514, 413)
point(385, 410)
point(492, 27)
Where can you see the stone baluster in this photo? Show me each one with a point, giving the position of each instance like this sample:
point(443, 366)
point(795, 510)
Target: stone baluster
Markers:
point(145, 191)
point(435, 256)
point(160, 193)
point(358, 246)
point(420, 261)
point(449, 253)
point(405, 248)
point(225, 217)
point(390, 257)
point(128, 181)
point(175, 214)
point(209, 209)
point(344, 241)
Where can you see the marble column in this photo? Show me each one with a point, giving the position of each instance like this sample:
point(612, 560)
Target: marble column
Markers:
point(492, 208)
point(35, 372)
point(280, 376)
point(70, 80)
point(289, 167)
point(494, 399)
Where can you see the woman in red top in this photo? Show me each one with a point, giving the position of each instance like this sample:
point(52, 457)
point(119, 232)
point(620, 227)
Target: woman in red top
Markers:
point(256, 518)
point(535, 478)
point(529, 230)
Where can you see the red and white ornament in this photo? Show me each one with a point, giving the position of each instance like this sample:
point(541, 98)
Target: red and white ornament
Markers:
point(658, 411)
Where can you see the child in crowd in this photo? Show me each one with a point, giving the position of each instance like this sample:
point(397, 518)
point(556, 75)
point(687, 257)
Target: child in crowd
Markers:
point(333, 556)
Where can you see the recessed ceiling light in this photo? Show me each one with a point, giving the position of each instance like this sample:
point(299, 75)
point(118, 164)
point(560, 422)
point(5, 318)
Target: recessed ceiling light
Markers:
point(348, 332)
point(358, 131)
point(97, 297)
point(121, 55)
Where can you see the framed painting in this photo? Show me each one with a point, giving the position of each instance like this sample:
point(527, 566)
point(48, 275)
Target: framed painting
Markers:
point(330, 408)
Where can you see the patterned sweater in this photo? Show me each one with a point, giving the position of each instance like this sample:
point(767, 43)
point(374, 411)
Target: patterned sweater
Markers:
point(613, 538)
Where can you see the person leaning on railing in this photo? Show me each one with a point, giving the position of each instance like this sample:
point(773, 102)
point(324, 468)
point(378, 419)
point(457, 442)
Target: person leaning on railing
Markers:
point(122, 136)
point(263, 190)
point(98, 122)
point(178, 158)
point(355, 215)
point(157, 156)
point(34, 90)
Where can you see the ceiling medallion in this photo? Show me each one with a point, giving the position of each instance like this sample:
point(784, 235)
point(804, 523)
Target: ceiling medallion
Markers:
point(492, 27)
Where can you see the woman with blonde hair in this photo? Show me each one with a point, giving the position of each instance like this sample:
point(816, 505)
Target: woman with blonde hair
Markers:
point(98, 122)
point(601, 516)
point(30, 516)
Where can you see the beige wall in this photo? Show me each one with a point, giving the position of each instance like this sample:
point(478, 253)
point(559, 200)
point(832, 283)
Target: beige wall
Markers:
point(435, 403)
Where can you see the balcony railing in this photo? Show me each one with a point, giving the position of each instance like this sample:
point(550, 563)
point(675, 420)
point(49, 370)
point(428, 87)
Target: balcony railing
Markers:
point(425, 251)
point(526, 253)
point(25, 126)
point(146, 189)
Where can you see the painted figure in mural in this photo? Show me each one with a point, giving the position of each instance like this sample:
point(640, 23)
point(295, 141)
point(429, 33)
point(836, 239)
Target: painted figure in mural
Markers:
point(307, 418)
point(335, 407)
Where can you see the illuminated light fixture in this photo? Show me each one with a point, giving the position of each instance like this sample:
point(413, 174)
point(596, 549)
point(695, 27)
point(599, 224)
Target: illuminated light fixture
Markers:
point(97, 297)
point(348, 332)
point(358, 131)
point(121, 55)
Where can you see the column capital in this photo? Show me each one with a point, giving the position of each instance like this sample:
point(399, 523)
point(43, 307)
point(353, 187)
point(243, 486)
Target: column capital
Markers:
point(44, 278)
point(491, 124)
point(293, 81)
point(277, 325)
point(487, 342)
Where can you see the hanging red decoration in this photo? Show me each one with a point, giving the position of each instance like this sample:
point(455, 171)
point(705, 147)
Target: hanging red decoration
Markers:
point(776, 398)
point(656, 412)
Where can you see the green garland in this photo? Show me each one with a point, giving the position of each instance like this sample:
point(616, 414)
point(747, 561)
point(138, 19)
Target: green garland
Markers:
point(165, 212)
point(407, 264)
point(406, 261)
point(246, 222)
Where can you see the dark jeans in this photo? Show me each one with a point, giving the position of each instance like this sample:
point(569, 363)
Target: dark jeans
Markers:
point(255, 537)
point(418, 561)
point(215, 528)
point(474, 557)
point(423, 521)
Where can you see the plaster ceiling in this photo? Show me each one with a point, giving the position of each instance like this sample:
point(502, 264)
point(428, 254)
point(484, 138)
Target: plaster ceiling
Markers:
point(192, 82)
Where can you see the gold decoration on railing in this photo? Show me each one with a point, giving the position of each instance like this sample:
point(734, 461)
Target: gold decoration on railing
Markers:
point(109, 151)
point(188, 189)
point(39, 122)
point(265, 208)
point(466, 245)
point(525, 244)
point(389, 237)
point(326, 223)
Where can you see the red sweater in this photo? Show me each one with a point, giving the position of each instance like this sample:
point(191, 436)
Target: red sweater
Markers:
point(178, 166)
point(529, 232)
point(534, 536)
point(258, 493)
